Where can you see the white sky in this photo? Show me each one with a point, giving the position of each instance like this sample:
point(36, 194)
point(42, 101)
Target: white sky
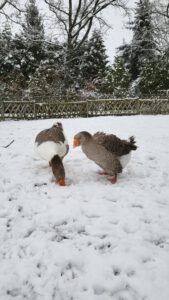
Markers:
point(115, 36)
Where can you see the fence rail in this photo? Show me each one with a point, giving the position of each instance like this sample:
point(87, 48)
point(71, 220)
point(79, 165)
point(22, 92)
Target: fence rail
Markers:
point(34, 110)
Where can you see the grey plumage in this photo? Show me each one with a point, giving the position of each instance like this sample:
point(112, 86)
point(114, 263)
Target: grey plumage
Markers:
point(115, 145)
point(106, 150)
point(99, 154)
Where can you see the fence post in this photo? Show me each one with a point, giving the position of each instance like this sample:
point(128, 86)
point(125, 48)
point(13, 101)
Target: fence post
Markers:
point(87, 107)
point(138, 106)
point(2, 111)
point(34, 109)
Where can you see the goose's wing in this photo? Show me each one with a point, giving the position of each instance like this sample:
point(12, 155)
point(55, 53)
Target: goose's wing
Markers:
point(113, 144)
point(54, 134)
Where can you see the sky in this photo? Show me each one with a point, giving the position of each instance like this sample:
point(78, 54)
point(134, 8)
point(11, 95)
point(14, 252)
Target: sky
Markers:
point(115, 36)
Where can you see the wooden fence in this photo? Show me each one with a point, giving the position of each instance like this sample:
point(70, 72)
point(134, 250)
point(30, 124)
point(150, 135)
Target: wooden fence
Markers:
point(33, 110)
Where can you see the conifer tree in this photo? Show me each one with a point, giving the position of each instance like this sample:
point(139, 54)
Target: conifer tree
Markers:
point(95, 59)
point(154, 78)
point(9, 77)
point(89, 62)
point(142, 47)
point(29, 44)
point(48, 77)
point(6, 55)
point(121, 77)
point(33, 30)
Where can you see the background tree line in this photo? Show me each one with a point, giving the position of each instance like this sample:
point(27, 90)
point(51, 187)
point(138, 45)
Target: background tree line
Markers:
point(32, 65)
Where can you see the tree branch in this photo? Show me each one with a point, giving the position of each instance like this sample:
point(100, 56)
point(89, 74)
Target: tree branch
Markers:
point(77, 13)
point(8, 144)
point(9, 17)
point(70, 13)
point(2, 5)
point(56, 7)
point(167, 15)
point(16, 7)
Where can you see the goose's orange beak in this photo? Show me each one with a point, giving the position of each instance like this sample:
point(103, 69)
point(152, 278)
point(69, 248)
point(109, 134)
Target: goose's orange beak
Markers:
point(76, 143)
point(61, 182)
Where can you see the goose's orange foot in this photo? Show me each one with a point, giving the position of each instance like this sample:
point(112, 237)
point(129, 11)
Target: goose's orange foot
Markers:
point(61, 182)
point(113, 180)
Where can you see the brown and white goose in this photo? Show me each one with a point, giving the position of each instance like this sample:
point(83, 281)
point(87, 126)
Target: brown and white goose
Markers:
point(51, 145)
point(106, 150)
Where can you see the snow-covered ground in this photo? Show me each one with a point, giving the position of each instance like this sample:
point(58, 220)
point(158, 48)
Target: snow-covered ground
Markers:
point(90, 240)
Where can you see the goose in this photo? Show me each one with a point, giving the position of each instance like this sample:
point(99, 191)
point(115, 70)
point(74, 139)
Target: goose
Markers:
point(52, 145)
point(107, 150)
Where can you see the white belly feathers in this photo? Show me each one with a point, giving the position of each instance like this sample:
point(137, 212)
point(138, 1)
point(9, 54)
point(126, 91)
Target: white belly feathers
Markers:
point(47, 150)
point(124, 159)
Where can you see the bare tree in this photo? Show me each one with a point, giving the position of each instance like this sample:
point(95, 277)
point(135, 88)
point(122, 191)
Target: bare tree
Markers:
point(77, 17)
point(161, 22)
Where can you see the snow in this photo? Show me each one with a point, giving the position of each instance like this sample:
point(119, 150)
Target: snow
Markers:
point(91, 239)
